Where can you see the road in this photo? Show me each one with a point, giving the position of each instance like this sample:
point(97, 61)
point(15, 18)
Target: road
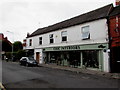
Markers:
point(16, 76)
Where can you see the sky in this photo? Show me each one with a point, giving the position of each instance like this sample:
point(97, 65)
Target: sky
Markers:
point(19, 17)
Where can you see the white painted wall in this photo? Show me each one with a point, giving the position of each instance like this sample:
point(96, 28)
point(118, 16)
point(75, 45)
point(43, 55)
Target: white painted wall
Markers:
point(106, 62)
point(41, 55)
point(98, 34)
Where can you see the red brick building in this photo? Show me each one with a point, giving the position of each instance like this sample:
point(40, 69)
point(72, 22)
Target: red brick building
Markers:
point(114, 27)
point(6, 45)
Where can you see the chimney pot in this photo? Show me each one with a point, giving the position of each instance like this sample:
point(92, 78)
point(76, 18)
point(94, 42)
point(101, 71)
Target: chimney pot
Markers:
point(117, 2)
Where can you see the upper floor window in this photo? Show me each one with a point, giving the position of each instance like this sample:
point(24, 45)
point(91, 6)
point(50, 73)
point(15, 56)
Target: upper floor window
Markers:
point(51, 38)
point(64, 35)
point(40, 40)
point(85, 33)
point(30, 42)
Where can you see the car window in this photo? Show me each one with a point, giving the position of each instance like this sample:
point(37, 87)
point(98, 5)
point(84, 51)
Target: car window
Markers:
point(31, 59)
point(24, 59)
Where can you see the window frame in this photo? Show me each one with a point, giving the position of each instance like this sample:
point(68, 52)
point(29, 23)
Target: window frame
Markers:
point(87, 32)
point(30, 42)
point(64, 36)
point(40, 40)
point(51, 38)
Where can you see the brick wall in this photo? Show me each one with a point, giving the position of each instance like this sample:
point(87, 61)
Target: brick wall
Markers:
point(115, 31)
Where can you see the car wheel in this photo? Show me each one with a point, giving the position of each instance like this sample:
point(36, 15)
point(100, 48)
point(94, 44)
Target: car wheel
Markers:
point(27, 64)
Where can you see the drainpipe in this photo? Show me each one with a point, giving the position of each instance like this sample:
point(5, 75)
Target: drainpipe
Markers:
point(110, 42)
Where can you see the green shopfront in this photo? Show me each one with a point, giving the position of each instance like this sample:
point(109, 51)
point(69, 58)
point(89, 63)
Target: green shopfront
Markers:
point(79, 56)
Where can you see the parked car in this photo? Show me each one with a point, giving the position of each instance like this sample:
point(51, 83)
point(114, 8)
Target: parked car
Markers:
point(28, 61)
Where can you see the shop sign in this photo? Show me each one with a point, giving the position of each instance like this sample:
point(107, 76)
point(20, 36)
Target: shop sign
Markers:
point(78, 47)
point(67, 48)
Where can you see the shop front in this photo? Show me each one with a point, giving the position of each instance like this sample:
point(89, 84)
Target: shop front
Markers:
point(79, 56)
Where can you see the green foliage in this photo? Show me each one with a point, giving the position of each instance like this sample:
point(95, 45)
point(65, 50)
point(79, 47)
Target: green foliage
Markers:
point(20, 53)
point(16, 55)
point(17, 46)
point(8, 55)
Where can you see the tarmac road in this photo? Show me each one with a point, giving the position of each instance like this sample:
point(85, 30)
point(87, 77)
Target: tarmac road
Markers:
point(16, 76)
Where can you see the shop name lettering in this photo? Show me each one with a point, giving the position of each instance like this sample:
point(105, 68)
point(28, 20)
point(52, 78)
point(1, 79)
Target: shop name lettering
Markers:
point(67, 48)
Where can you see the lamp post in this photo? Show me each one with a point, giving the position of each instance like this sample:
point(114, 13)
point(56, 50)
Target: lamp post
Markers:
point(12, 43)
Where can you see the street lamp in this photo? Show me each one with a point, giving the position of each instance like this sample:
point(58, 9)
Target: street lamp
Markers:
point(12, 43)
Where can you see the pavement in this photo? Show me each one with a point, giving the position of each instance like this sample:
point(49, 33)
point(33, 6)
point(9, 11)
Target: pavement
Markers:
point(85, 71)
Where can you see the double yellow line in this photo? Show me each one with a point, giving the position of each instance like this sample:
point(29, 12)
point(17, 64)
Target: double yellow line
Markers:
point(1, 87)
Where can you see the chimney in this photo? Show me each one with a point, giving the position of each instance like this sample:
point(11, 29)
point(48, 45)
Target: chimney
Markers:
point(1, 36)
point(28, 34)
point(117, 2)
point(6, 38)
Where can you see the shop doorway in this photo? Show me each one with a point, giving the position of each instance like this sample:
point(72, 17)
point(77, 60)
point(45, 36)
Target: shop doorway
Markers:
point(37, 57)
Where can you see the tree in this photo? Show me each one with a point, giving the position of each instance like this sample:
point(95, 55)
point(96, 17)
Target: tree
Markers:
point(17, 46)
point(20, 53)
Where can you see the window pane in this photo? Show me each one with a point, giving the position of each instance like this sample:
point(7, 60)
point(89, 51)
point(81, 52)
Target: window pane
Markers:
point(40, 38)
point(64, 38)
point(64, 33)
point(40, 42)
point(90, 59)
point(51, 35)
point(85, 29)
point(85, 35)
point(30, 42)
point(51, 40)
point(85, 32)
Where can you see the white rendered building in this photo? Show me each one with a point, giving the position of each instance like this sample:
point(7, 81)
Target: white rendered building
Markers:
point(81, 41)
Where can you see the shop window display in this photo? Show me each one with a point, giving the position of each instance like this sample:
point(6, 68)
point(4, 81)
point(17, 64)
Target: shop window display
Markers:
point(90, 59)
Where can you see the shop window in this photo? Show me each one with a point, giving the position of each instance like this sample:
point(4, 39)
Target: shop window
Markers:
point(40, 40)
point(51, 38)
point(74, 59)
point(30, 42)
point(85, 33)
point(90, 59)
point(64, 36)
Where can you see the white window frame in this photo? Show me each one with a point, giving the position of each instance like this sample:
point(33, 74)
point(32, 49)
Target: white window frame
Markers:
point(64, 35)
point(40, 40)
point(85, 31)
point(30, 42)
point(51, 37)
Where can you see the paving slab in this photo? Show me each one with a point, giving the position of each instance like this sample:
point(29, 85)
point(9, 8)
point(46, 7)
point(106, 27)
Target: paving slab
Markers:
point(80, 70)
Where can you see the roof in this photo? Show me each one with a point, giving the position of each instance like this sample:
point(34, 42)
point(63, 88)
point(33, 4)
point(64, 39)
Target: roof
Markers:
point(90, 16)
point(115, 11)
